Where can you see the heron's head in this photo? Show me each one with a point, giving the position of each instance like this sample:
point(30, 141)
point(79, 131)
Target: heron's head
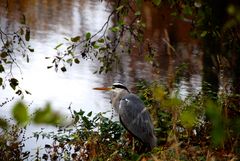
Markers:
point(119, 87)
point(116, 88)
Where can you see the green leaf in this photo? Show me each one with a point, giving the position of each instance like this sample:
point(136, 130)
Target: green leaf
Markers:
point(47, 116)
point(214, 113)
point(19, 92)
point(76, 118)
point(4, 54)
point(75, 39)
point(101, 40)
point(20, 113)
point(1, 81)
point(30, 49)
point(28, 92)
point(76, 60)
point(69, 61)
point(156, 2)
point(89, 114)
point(173, 14)
point(27, 59)
point(231, 9)
point(63, 69)
point(119, 8)
point(138, 13)
point(187, 10)
point(103, 49)
point(188, 119)
point(88, 36)
point(121, 22)
point(3, 124)
point(81, 112)
point(59, 45)
point(203, 34)
point(158, 93)
point(1, 68)
point(27, 35)
point(66, 38)
point(96, 46)
point(115, 29)
point(13, 83)
point(87, 123)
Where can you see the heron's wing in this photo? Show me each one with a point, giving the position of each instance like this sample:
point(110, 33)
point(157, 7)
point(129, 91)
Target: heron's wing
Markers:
point(136, 119)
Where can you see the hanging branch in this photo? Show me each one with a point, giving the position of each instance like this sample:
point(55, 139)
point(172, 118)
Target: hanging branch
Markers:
point(100, 45)
point(13, 44)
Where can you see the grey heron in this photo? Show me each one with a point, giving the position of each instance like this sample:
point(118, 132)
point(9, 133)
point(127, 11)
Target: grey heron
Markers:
point(132, 114)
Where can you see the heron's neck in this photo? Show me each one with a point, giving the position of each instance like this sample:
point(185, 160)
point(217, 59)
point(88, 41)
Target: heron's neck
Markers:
point(116, 99)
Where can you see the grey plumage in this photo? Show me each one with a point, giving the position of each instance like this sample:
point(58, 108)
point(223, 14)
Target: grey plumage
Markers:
point(133, 114)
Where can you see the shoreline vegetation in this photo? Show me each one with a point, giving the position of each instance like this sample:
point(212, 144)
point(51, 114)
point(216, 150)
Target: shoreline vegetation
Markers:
point(190, 129)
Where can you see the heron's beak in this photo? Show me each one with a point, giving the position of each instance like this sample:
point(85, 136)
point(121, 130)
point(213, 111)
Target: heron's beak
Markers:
point(103, 88)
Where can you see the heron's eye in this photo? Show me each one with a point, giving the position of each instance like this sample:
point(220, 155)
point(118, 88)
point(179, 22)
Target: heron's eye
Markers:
point(113, 87)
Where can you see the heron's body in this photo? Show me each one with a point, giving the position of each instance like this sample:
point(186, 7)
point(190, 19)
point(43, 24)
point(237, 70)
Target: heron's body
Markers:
point(137, 121)
point(134, 116)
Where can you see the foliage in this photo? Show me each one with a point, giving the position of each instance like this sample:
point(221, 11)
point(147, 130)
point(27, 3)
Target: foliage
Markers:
point(89, 138)
point(22, 117)
point(190, 129)
point(193, 124)
point(197, 123)
point(12, 143)
point(106, 45)
point(13, 44)
point(12, 134)
point(20, 113)
point(46, 115)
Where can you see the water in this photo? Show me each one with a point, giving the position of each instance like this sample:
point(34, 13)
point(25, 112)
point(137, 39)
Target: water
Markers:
point(50, 22)
point(49, 25)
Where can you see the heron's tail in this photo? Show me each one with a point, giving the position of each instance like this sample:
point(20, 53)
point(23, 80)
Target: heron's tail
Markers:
point(153, 142)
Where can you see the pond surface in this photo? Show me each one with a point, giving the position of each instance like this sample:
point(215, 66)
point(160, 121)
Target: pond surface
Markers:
point(50, 22)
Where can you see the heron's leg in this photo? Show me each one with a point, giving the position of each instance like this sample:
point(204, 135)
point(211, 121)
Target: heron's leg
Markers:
point(111, 113)
point(133, 144)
